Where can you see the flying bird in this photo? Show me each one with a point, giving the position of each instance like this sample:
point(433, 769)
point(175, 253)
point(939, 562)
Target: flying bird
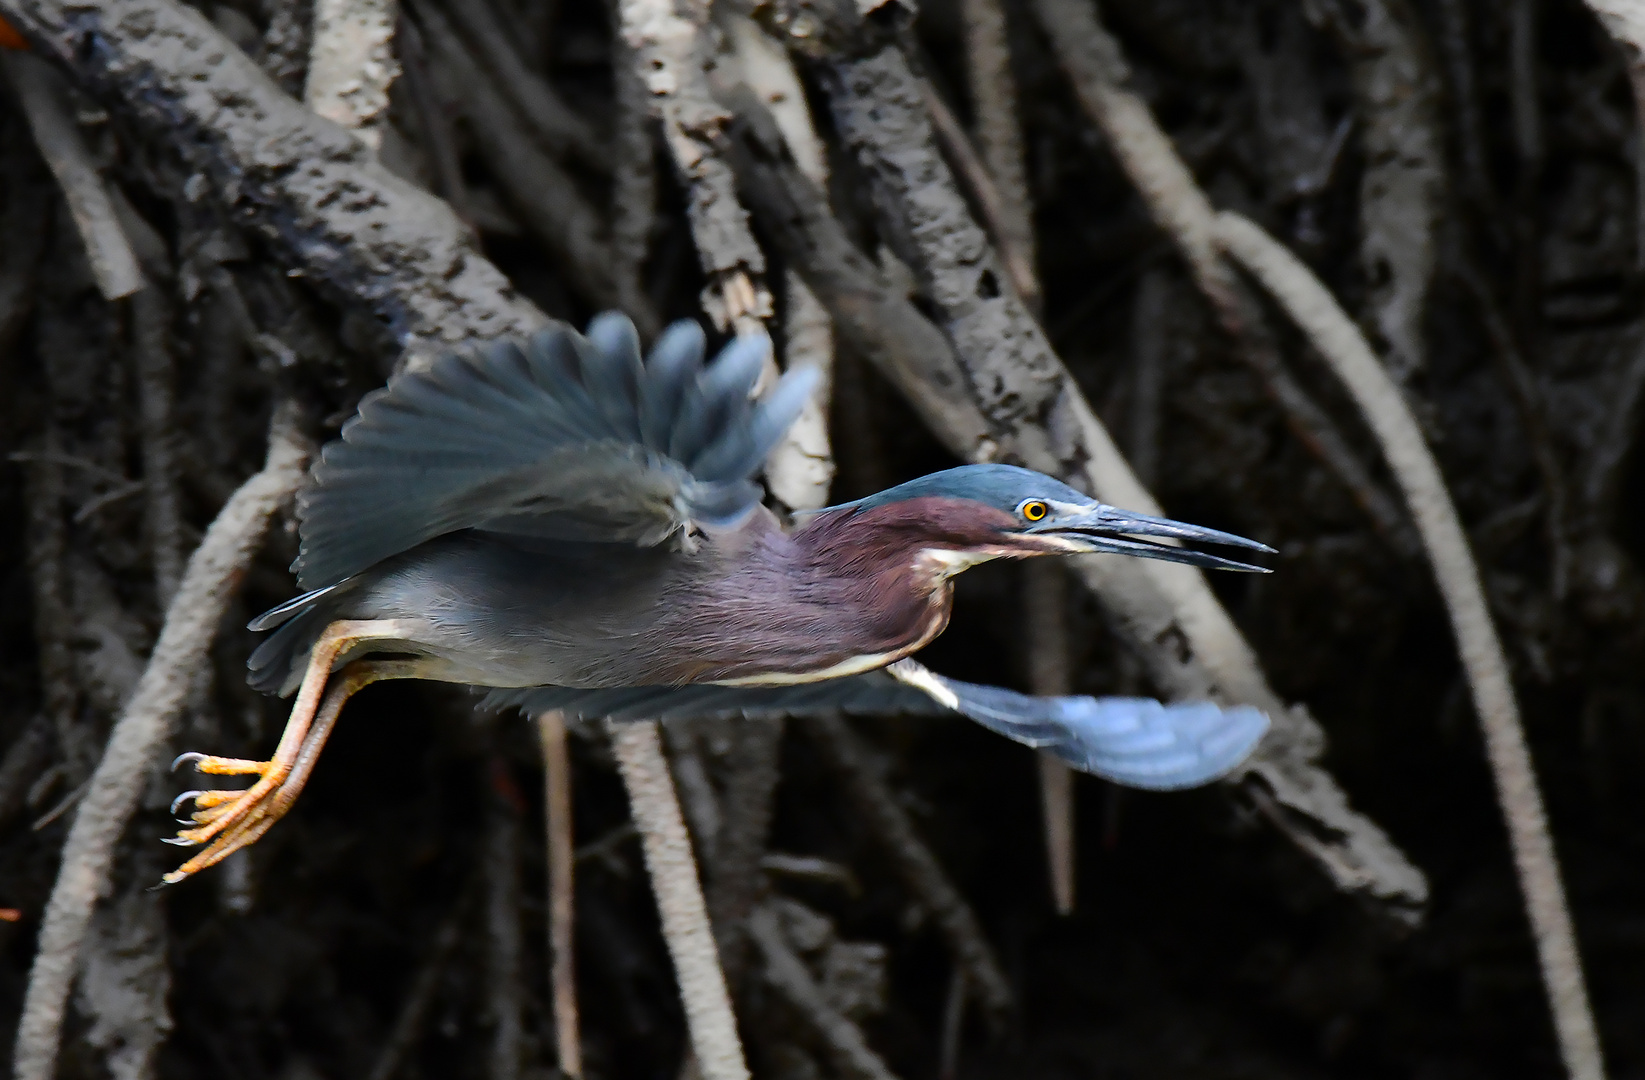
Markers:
point(573, 527)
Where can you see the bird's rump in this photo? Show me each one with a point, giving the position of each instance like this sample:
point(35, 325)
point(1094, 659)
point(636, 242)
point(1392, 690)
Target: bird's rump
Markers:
point(559, 437)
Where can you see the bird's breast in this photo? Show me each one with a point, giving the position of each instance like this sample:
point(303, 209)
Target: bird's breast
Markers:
point(807, 623)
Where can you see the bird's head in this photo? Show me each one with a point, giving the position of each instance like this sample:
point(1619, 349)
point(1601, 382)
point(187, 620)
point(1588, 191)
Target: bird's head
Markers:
point(975, 513)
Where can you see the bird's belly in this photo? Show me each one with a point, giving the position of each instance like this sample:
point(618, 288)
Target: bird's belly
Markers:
point(609, 618)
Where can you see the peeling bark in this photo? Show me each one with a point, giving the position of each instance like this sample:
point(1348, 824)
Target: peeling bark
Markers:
point(310, 189)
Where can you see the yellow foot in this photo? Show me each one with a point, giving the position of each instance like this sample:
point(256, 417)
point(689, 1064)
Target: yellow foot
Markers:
point(220, 766)
point(227, 820)
point(216, 811)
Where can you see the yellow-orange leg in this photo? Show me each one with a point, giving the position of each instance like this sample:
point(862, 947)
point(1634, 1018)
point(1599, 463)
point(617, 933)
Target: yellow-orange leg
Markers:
point(258, 819)
point(224, 809)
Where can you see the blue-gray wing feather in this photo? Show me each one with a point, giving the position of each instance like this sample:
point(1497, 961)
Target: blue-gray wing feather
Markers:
point(561, 436)
point(1137, 742)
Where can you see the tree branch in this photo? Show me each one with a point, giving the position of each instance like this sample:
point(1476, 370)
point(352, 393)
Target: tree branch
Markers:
point(679, 894)
point(309, 188)
point(141, 731)
point(1350, 358)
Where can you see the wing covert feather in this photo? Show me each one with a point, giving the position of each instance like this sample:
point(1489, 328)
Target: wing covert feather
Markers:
point(561, 436)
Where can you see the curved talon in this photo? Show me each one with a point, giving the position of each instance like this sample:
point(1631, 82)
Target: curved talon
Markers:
point(185, 796)
point(179, 841)
point(192, 755)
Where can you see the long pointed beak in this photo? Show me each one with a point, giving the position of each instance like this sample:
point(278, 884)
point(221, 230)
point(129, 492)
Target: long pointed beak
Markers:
point(1110, 529)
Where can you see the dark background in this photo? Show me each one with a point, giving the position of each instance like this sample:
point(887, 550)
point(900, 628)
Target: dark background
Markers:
point(1203, 945)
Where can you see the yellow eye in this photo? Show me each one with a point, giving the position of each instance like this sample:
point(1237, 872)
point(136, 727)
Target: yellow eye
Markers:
point(1033, 510)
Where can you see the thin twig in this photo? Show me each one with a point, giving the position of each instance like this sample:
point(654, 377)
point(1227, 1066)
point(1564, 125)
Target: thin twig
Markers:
point(318, 194)
point(801, 468)
point(1531, 399)
point(672, 45)
point(141, 732)
point(1402, 180)
point(25, 759)
point(1336, 339)
point(1092, 60)
point(1525, 109)
point(156, 390)
point(560, 130)
point(999, 137)
point(562, 862)
point(920, 871)
point(840, 1038)
point(1160, 607)
point(51, 119)
point(544, 195)
point(698, 800)
point(686, 929)
point(351, 64)
point(438, 141)
point(633, 173)
point(1045, 627)
point(1455, 42)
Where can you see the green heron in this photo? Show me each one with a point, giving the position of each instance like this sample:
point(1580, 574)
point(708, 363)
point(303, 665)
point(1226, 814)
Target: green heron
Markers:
point(575, 528)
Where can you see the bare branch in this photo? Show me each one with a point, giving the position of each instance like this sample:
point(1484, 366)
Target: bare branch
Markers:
point(737, 882)
point(141, 731)
point(801, 468)
point(351, 64)
point(633, 171)
point(1339, 342)
point(1403, 184)
point(1624, 20)
point(1017, 401)
point(539, 189)
point(920, 871)
point(24, 761)
point(679, 895)
point(316, 193)
point(999, 136)
point(51, 119)
point(420, 997)
point(841, 1039)
point(557, 127)
point(672, 46)
point(1092, 60)
point(562, 860)
point(1045, 628)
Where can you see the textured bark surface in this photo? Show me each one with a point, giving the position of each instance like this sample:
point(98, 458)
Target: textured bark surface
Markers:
point(307, 187)
point(1033, 413)
point(877, 910)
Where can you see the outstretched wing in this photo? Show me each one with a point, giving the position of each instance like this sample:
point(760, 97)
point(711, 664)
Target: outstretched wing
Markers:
point(1137, 742)
point(562, 436)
